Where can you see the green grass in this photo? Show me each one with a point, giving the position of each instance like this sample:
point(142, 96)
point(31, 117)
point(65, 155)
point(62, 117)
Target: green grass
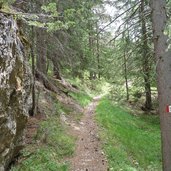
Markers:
point(91, 87)
point(132, 143)
point(82, 98)
point(52, 144)
point(43, 159)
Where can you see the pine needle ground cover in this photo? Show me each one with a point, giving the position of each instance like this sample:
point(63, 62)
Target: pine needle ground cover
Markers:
point(131, 143)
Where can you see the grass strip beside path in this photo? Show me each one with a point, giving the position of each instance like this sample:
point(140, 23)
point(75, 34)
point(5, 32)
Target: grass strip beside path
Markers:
point(132, 143)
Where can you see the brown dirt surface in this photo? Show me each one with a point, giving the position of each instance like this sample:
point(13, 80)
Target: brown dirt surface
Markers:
point(88, 155)
point(32, 127)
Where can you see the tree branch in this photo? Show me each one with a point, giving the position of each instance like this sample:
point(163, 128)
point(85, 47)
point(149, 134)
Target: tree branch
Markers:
point(103, 29)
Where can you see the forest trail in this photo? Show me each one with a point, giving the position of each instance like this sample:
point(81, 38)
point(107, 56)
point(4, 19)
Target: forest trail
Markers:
point(88, 155)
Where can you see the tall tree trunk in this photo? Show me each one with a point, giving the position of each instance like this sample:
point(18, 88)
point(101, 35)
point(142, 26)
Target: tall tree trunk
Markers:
point(163, 62)
point(126, 76)
point(91, 52)
point(126, 40)
point(41, 50)
point(146, 67)
point(125, 70)
point(98, 51)
point(56, 71)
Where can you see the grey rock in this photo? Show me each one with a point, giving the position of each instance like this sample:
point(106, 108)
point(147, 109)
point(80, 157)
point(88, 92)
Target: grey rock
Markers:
point(15, 91)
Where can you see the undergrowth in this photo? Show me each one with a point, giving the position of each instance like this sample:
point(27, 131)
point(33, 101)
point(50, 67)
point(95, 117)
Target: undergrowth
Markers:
point(91, 87)
point(132, 143)
point(82, 98)
point(51, 145)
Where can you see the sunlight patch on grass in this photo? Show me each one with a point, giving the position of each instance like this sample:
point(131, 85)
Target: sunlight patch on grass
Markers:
point(82, 98)
point(91, 87)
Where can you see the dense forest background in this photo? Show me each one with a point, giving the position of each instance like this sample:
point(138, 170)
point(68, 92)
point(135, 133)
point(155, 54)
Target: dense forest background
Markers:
point(76, 49)
point(74, 39)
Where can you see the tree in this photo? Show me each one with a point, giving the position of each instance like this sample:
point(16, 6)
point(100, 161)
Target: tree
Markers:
point(163, 62)
point(41, 61)
point(135, 15)
point(125, 65)
point(145, 56)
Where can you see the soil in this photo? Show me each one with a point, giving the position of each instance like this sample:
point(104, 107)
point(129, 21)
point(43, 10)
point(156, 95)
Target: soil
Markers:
point(32, 127)
point(88, 155)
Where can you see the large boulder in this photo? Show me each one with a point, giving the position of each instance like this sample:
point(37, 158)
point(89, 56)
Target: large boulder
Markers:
point(15, 90)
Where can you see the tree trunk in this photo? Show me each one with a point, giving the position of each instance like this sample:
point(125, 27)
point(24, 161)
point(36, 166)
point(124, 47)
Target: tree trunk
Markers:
point(163, 62)
point(41, 50)
point(146, 67)
point(98, 51)
point(56, 72)
point(91, 50)
point(126, 76)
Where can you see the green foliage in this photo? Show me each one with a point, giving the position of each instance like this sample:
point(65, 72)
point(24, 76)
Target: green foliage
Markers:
point(6, 2)
point(131, 142)
point(97, 87)
point(53, 21)
point(50, 8)
point(57, 25)
point(91, 87)
point(82, 98)
point(36, 24)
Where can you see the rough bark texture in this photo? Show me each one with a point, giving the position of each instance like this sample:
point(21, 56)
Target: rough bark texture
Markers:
point(163, 60)
point(145, 53)
point(98, 51)
point(126, 75)
point(56, 71)
point(15, 88)
point(41, 50)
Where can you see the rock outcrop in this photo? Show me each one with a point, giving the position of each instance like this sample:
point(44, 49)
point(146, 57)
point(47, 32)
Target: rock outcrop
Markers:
point(15, 90)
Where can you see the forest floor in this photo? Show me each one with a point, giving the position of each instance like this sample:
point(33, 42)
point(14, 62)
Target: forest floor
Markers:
point(70, 132)
point(88, 155)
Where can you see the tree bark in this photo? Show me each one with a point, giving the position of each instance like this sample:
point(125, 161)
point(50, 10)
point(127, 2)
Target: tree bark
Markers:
point(163, 62)
point(126, 42)
point(126, 76)
point(98, 52)
point(56, 71)
point(91, 50)
point(145, 53)
point(41, 50)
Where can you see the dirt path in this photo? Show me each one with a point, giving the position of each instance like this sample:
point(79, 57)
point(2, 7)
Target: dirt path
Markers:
point(88, 155)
